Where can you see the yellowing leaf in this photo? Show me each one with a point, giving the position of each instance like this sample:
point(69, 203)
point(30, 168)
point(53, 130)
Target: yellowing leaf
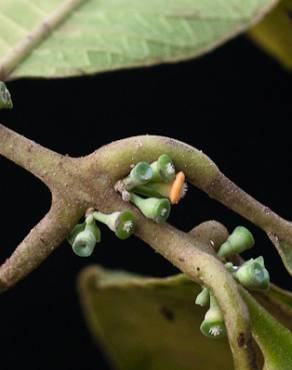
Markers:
point(278, 302)
point(274, 33)
point(101, 35)
point(149, 324)
point(274, 340)
point(153, 324)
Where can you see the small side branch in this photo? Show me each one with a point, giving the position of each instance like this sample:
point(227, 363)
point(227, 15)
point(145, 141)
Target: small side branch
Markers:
point(42, 240)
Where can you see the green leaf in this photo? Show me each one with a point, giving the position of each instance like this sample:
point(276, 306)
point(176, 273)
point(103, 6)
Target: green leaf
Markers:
point(273, 34)
point(274, 340)
point(5, 97)
point(105, 35)
point(282, 297)
point(278, 302)
point(153, 324)
point(149, 324)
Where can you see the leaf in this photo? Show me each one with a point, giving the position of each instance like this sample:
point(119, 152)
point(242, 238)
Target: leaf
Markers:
point(284, 248)
point(278, 302)
point(5, 97)
point(274, 340)
point(149, 324)
point(104, 35)
point(273, 34)
point(282, 297)
point(153, 324)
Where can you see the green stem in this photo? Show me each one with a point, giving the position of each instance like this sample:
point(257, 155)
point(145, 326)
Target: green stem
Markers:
point(274, 340)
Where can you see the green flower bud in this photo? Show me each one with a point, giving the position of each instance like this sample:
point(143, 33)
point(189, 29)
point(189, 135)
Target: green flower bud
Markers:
point(240, 240)
point(139, 175)
point(157, 210)
point(121, 223)
point(253, 274)
point(163, 169)
point(213, 325)
point(203, 298)
point(84, 237)
point(5, 97)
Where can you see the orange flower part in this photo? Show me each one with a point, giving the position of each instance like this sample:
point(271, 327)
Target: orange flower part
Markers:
point(177, 188)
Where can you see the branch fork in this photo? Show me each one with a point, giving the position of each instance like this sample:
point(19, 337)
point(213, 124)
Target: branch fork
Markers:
point(77, 184)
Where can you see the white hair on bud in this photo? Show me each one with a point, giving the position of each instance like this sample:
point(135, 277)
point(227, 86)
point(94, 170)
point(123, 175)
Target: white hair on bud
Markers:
point(128, 226)
point(215, 331)
point(170, 168)
point(163, 212)
point(184, 190)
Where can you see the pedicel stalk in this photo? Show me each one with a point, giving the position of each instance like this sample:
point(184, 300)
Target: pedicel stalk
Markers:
point(156, 209)
point(203, 298)
point(174, 191)
point(121, 223)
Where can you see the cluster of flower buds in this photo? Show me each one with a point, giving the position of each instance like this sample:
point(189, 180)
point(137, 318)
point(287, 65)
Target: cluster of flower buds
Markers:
point(84, 237)
point(152, 188)
point(252, 274)
point(5, 98)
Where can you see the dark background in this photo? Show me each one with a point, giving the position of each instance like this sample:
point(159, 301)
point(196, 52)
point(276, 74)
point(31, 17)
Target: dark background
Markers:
point(234, 104)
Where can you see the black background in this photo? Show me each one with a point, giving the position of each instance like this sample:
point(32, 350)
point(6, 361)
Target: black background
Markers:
point(234, 104)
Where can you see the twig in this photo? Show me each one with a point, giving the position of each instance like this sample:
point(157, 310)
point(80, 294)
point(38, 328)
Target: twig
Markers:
point(77, 184)
point(202, 172)
point(42, 240)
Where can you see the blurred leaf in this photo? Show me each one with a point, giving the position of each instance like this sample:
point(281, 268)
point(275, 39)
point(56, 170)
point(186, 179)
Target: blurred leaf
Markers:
point(111, 34)
point(153, 324)
point(5, 97)
point(274, 33)
point(278, 302)
point(274, 340)
point(149, 324)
